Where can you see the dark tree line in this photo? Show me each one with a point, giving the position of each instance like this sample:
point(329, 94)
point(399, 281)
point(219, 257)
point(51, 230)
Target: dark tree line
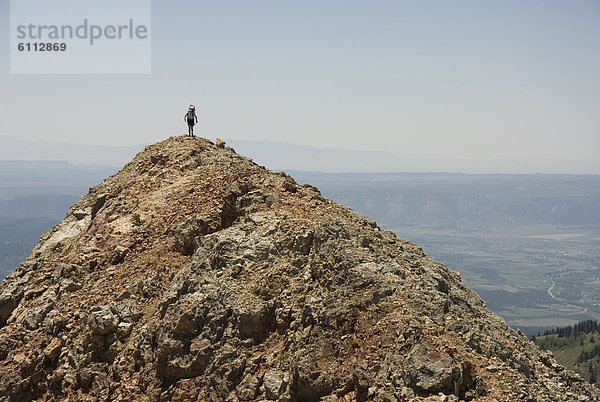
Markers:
point(582, 327)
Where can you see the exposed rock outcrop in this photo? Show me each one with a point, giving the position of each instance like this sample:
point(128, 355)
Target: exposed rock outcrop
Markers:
point(195, 274)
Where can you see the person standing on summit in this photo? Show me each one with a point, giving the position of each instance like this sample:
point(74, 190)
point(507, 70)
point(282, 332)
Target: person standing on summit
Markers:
point(192, 119)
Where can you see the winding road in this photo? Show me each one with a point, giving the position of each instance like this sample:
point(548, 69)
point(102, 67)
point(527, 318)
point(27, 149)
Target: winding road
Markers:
point(582, 310)
point(550, 291)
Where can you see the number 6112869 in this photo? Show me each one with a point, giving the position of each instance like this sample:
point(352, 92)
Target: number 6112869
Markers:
point(42, 47)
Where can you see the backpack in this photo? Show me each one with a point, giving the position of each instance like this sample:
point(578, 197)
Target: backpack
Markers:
point(190, 115)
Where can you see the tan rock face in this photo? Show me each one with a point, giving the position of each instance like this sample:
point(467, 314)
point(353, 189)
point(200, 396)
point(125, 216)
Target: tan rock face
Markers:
point(194, 274)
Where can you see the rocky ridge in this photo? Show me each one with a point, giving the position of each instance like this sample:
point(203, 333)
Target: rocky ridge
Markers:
point(195, 274)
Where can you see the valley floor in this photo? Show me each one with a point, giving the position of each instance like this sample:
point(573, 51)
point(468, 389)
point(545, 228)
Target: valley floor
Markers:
point(534, 277)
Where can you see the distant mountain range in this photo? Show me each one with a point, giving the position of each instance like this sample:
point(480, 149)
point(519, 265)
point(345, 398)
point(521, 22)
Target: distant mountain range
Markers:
point(12, 148)
point(287, 156)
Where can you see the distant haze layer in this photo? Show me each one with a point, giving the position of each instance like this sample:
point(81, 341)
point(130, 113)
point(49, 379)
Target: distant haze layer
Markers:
point(288, 156)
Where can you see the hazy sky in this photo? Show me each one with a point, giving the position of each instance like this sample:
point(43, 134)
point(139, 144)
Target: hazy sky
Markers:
point(453, 79)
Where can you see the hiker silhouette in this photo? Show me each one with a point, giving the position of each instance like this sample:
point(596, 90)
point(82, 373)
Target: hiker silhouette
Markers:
point(192, 119)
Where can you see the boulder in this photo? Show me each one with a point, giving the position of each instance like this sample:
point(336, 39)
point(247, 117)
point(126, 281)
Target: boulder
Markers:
point(102, 321)
point(53, 349)
point(429, 370)
point(247, 390)
point(275, 384)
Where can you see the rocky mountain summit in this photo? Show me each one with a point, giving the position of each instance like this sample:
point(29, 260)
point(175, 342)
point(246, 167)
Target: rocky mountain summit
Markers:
point(195, 274)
